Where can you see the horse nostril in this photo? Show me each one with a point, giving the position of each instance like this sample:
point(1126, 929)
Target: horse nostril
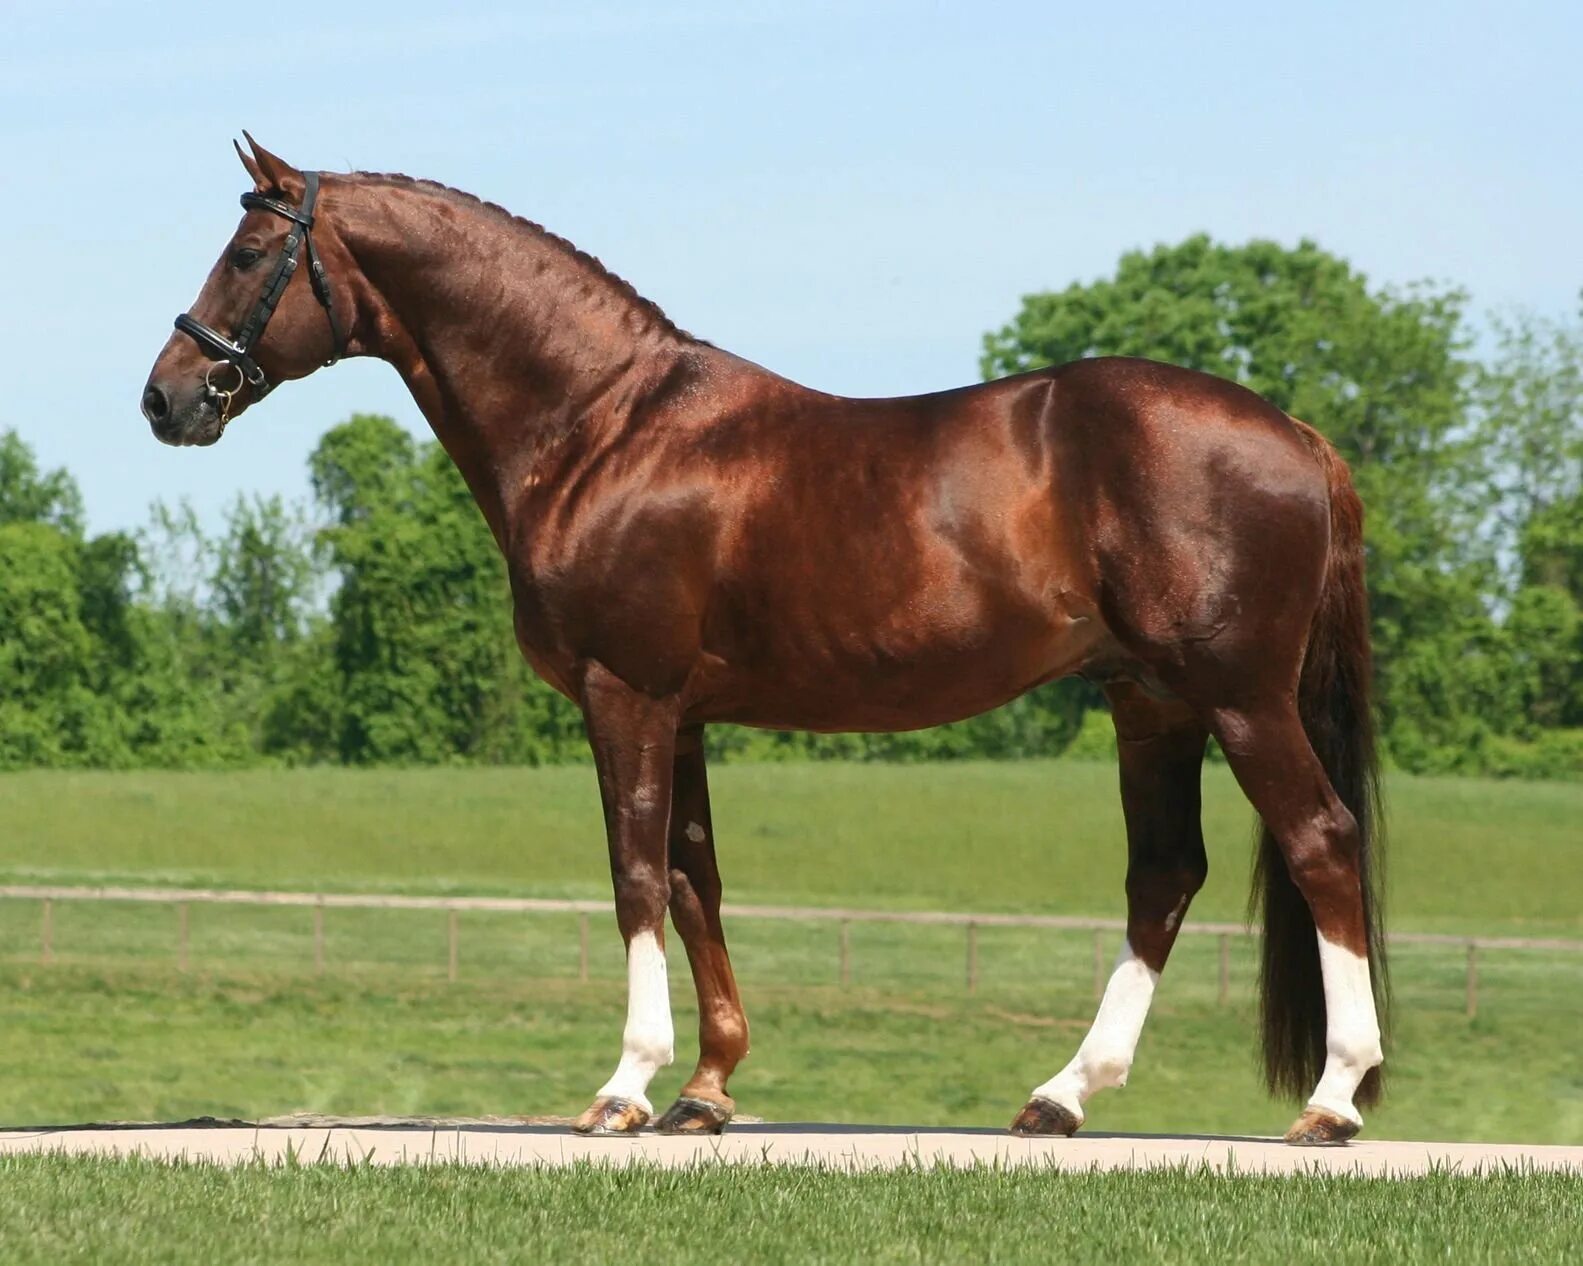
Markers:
point(155, 405)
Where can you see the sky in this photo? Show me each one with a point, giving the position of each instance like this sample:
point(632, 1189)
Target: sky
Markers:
point(849, 193)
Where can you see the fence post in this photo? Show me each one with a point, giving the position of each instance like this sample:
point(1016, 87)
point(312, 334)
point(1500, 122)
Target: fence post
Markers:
point(318, 936)
point(450, 972)
point(582, 948)
point(183, 910)
point(46, 934)
point(972, 957)
point(1099, 965)
point(1225, 969)
point(1473, 979)
point(846, 952)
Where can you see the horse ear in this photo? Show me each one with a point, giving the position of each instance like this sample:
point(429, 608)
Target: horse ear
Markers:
point(277, 173)
point(253, 169)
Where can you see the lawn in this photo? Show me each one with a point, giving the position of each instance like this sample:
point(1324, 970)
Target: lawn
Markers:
point(1466, 855)
point(112, 1030)
point(131, 1212)
point(141, 1042)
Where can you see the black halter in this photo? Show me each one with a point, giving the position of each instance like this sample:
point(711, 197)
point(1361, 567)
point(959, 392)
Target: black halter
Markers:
point(238, 351)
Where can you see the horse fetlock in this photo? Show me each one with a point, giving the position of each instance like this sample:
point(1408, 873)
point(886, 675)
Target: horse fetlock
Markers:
point(1109, 1071)
point(1336, 1105)
point(1345, 1068)
point(1361, 1051)
point(648, 1050)
point(1069, 1088)
point(1093, 1070)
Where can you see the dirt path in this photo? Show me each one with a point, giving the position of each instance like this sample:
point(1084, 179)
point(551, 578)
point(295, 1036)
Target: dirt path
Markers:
point(501, 1143)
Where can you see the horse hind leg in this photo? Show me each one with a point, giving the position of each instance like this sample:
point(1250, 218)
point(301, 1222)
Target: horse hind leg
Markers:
point(1321, 845)
point(1161, 750)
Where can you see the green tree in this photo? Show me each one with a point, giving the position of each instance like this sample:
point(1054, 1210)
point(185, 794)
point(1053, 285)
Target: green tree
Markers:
point(176, 697)
point(266, 578)
point(63, 625)
point(424, 652)
point(44, 648)
point(1530, 437)
point(30, 495)
point(1530, 396)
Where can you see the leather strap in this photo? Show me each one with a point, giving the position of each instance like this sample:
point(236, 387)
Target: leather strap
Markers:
point(211, 340)
point(253, 201)
point(239, 350)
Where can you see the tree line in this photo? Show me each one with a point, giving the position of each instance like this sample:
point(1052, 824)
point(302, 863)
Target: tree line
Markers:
point(373, 625)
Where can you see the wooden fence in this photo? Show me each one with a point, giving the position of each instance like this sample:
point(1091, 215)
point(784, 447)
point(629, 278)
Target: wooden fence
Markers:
point(319, 903)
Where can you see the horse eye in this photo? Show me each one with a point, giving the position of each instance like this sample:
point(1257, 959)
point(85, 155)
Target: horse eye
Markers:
point(244, 257)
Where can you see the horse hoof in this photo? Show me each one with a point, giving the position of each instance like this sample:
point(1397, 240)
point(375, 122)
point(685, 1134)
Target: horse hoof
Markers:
point(1043, 1117)
point(612, 1116)
point(694, 1116)
point(1318, 1128)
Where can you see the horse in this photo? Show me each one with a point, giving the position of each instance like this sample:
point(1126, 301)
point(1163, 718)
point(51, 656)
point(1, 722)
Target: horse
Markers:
point(692, 539)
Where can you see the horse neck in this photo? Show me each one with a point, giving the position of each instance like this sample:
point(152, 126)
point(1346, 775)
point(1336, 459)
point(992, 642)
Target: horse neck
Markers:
point(519, 351)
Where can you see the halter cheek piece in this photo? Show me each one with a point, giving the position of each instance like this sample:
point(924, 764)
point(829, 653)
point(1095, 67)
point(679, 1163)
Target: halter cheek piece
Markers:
point(237, 353)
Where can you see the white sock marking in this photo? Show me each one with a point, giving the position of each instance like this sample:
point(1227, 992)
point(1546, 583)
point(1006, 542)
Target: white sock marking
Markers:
point(1105, 1057)
point(1352, 1030)
point(649, 1041)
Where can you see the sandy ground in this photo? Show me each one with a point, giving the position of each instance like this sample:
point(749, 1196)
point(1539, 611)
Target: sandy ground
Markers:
point(388, 1142)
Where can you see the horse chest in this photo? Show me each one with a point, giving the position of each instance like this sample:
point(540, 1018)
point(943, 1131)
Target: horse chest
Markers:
point(631, 620)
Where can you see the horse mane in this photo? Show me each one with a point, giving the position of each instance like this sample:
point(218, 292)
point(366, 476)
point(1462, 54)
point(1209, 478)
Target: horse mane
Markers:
point(569, 250)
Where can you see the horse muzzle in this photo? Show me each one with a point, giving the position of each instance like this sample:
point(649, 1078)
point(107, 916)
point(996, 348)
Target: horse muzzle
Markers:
point(185, 416)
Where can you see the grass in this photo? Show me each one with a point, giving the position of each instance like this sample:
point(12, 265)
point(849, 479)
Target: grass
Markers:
point(141, 1042)
point(142, 1211)
point(1466, 855)
point(113, 1031)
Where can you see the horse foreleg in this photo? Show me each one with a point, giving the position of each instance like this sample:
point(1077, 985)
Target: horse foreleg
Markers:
point(1161, 750)
point(633, 738)
point(704, 1104)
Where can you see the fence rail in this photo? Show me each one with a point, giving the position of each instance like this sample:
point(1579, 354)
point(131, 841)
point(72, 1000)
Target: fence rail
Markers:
point(184, 898)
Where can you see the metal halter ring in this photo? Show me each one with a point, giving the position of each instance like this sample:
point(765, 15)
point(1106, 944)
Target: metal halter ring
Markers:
point(208, 378)
point(224, 397)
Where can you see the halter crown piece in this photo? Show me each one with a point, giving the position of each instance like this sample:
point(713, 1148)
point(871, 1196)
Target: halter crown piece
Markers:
point(238, 351)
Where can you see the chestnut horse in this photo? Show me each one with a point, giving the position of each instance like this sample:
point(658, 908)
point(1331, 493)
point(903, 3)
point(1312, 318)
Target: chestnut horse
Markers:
point(691, 538)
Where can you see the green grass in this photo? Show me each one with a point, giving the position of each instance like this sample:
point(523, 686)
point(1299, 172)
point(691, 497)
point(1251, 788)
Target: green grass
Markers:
point(1466, 855)
point(113, 1031)
point(143, 1043)
point(139, 1211)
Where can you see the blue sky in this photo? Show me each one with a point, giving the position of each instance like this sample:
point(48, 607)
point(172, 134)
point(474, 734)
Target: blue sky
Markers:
point(848, 193)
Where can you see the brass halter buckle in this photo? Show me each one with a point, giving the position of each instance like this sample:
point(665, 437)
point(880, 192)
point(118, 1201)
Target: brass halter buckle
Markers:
point(222, 398)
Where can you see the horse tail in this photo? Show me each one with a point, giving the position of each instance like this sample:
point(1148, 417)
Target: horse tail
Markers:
point(1334, 704)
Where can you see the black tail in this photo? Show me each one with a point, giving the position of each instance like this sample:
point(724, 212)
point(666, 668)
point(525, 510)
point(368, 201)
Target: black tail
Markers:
point(1333, 700)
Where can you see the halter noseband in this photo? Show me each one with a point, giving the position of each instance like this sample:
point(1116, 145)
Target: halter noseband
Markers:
point(238, 351)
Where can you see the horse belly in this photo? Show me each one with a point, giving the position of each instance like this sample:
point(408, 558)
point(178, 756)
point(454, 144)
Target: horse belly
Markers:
point(908, 670)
